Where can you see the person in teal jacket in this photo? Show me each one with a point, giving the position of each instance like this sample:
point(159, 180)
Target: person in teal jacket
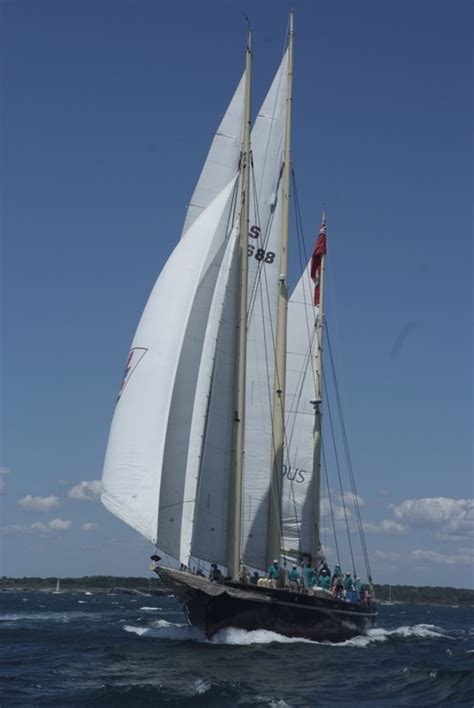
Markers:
point(324, 580)
point(347, 582)
point(358, 586)
point(294, 575)
point(309, 576)
point(274, 570)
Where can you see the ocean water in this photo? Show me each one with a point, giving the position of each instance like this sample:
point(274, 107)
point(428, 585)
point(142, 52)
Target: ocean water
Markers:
point(77, 649)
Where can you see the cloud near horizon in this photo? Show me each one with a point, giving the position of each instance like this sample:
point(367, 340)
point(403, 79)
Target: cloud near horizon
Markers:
point(31, 503)
point(54, 525)
point(464, 557)
point(454, 517)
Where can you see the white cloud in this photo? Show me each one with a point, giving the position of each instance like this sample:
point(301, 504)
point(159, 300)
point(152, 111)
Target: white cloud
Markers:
point(461, 558)
point(384, 492)
point(89, 526)
point(455, 517)
point(337, 510)
point(37, 527)
point(86, 491)
point(385, 526)
point(31, 503)
point(59, 525)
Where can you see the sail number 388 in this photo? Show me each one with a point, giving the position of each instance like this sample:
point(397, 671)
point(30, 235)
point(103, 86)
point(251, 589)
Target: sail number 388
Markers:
point(260, 254)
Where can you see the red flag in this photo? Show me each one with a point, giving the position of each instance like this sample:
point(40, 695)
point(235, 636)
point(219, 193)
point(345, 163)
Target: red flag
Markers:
point(316, 258)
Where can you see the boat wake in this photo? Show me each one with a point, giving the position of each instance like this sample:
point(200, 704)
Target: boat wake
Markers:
point(162, 629)
point(378, 635)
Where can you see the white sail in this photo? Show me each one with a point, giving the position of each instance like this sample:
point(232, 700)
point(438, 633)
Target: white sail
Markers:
point(299, 420)
point(264, 248)
point(133, 467)
point(222, 160)
point(211, 440)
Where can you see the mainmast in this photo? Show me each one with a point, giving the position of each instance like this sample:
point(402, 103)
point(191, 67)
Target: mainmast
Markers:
point(235, 496)
point(317, 430)
point(278, 422)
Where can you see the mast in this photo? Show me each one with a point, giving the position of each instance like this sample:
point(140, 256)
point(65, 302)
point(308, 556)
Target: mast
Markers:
point(317, 430)
point(278, 422)
point(235, 496)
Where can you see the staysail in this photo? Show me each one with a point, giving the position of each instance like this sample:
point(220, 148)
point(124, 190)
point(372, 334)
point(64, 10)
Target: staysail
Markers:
point(297, 517)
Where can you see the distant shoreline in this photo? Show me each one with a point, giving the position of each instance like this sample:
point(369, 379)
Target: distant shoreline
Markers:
point(462, 597)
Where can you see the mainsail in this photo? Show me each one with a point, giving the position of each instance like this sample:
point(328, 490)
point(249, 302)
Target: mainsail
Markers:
point(211, 517)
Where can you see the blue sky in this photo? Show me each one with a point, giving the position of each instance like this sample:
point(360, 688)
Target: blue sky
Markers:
point(109, 109)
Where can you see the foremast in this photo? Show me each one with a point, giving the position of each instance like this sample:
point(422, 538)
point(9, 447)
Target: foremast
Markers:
point(278, 420)
point(317, 403)
point(235, 496)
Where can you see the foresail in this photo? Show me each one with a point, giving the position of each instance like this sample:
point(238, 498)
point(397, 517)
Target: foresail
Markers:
point(264, 248)
point(299, 421)
point(222, 160)
point(213, 418)
point(133, 467)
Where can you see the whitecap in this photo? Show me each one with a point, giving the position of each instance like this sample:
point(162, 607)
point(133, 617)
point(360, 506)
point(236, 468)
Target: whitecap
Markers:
point(201, 686)
point(162, 629)
point(242, 637)
point(151, 609)
point(82, 602)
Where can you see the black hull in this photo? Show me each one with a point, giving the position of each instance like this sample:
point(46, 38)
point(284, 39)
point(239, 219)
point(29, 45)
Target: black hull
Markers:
point(213, 607)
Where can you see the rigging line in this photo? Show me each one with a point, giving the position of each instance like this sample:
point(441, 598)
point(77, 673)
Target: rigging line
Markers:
point(262, 239)
point(349, 462)
point(336, 456)
point(323, 450)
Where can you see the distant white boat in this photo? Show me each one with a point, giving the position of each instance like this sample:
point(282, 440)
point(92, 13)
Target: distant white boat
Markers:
point(58, 585)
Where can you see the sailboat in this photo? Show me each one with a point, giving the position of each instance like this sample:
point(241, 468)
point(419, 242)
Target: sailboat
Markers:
point(214, 452)
point(58, 591)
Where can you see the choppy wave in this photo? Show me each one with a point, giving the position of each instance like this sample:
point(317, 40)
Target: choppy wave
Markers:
point(232, 636)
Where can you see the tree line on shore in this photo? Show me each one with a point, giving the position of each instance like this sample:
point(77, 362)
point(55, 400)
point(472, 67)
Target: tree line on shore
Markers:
point(106, 583)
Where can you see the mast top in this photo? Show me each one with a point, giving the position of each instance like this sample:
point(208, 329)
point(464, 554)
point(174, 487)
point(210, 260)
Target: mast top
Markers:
point(249, 32)
point(290, 31)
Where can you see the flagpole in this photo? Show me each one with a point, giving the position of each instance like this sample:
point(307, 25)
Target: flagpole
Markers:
point(317, 403)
